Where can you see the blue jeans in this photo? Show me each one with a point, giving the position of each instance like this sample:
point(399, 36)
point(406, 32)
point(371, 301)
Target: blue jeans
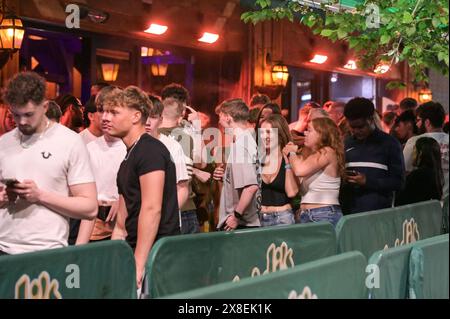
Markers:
point(189, 222)
point(285, 217)
point(330, 214)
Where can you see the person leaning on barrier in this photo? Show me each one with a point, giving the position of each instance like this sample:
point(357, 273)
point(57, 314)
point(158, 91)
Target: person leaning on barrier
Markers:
point(47, 173)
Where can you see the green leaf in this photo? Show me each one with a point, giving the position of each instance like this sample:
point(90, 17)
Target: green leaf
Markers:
point(410, 31)
point(342, 34)
point(326, 33)
point(422, 26)
point(385, 38)
point(393, 10)
point(395, 85)
point(263, 3)
point(406, 50)
point(407, 18)
point(353, 42)
point(391, 25)
point(442, 56)
point(436, 22)
point(329, 20)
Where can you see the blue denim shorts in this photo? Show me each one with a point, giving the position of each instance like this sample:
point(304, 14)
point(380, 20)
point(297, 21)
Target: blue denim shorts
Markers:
point(285, 217)
point(330, 214)
point(189, 222)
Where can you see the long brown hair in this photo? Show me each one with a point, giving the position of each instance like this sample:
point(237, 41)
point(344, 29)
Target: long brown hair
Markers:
point(330, 137)
point(277, 121)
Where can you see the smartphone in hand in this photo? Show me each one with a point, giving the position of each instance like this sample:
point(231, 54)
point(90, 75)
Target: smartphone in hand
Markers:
point(9, 182)
point(351, 172)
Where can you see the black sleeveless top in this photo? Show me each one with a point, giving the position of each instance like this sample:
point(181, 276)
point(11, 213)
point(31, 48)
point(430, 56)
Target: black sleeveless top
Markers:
point(274, 194)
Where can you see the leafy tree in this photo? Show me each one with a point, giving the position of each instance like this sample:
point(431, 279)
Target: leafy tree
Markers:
point(387, 31)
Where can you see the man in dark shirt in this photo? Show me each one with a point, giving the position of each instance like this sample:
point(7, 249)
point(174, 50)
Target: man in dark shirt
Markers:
point(148, 206)
point(374, 162)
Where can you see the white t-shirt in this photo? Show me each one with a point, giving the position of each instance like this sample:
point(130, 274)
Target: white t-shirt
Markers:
point(177, 156)
point(440, 137)
point(87, 136)
point(54, 160)
point(106, 158)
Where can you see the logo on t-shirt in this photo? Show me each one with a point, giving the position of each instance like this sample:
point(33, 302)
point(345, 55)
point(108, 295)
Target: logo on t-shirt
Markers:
point(46, 155)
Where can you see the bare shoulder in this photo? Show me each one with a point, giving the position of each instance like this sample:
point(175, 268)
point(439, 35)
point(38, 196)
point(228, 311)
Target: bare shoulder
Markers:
point(328, 152)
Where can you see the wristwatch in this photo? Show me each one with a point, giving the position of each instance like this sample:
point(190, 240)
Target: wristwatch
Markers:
point(238, 215)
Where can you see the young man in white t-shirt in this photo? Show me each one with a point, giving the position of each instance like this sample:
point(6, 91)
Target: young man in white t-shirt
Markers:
point(106, 153)
point(93, 131)
point(49, 173)
point(154, 120)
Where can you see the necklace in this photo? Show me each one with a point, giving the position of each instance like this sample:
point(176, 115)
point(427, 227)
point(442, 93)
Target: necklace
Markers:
point(132, 147)
point(24, 145)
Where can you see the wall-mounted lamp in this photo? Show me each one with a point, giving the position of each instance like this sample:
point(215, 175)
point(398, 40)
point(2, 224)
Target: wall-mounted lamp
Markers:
point(382, 68)
point(147, 51)
point(110, 71)
point(334, 78)
point(280, 74)
point(351, 65)
point(11, 30)
point(157, 29)
point(319, 59)
point(425, 95)
point(159, 69)
point(208, 37)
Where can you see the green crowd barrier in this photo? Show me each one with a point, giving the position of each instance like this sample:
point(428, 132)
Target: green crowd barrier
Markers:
point(186, 262)
point(445, 215)
point(98, 270)
point(372, 231)
point(428, 269)
point(392, 268)
point(340, 276)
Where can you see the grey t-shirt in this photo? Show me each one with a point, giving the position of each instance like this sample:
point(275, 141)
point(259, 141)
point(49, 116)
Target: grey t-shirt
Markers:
point(240, 171)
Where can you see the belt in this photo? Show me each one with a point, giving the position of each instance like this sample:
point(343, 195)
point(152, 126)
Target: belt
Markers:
point(331, 208)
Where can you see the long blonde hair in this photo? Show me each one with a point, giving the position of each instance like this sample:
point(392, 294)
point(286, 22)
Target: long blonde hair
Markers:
point(330, 137)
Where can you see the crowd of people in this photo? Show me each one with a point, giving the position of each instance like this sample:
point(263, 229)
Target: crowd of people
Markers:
point(135, 166)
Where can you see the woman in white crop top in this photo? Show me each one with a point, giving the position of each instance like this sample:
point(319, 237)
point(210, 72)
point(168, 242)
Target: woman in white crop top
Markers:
point(320, 172)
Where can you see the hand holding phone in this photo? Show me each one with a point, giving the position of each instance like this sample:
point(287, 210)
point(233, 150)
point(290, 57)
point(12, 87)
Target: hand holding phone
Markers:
point(351, 172)
point(6, 195)
point(9, 182)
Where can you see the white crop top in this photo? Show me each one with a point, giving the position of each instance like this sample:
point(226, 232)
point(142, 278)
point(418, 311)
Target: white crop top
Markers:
point(320, 188)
